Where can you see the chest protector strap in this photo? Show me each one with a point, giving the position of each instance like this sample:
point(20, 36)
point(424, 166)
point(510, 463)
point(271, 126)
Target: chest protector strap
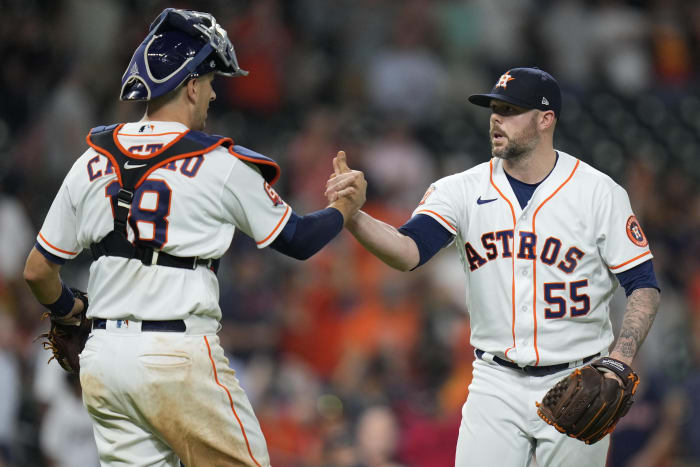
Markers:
point(132, 170)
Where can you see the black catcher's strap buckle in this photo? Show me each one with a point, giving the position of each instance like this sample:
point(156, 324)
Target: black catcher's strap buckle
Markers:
point(124, 199)
point(116, 245)
point(145, 254)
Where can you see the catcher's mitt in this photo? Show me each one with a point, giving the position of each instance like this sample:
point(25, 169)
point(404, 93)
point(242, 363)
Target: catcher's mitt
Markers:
point(586, 405)
point(66, 341)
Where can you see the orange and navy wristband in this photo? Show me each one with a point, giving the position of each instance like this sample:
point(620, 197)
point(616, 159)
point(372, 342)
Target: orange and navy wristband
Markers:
point(64, 304)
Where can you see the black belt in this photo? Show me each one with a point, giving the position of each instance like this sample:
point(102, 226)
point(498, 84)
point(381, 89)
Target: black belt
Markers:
point(533, 370)
point(116, 245)
point(176, 325)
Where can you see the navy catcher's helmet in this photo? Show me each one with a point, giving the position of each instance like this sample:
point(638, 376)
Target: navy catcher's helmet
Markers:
point(181, 44)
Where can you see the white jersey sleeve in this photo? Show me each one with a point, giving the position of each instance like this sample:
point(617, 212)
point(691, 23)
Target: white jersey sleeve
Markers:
point(253, 205)
point(621, 241)
point(58, 234)
point(442, 202)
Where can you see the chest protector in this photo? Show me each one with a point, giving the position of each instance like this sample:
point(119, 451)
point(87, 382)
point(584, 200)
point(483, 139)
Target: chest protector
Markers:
point(133, 169)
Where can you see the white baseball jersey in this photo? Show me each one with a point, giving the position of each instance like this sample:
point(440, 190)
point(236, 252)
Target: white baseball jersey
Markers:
point(539, 279)
point(189, 207)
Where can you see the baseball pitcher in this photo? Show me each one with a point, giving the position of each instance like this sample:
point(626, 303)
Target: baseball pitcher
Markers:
point(544, 240)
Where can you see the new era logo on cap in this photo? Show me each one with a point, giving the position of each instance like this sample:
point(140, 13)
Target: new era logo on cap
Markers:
point(530, 88)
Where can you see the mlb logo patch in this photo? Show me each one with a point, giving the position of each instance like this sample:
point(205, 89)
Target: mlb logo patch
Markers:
point(635, 233)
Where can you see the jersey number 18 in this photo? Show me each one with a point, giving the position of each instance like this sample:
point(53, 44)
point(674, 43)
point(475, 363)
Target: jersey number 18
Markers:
point(145, 210)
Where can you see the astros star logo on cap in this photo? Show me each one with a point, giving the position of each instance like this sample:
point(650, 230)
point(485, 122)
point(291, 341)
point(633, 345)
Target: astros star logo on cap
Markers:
point(503, 80)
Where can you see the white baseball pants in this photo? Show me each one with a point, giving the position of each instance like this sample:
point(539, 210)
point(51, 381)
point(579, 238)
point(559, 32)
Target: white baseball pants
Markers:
point(156, 398)
point(500, 425)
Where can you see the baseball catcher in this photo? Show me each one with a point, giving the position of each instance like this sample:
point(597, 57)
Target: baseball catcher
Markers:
point(67, 335)
point(587, 405)
point(157, 202)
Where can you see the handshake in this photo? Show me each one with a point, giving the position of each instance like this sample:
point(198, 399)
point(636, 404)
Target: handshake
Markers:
point(346, 189)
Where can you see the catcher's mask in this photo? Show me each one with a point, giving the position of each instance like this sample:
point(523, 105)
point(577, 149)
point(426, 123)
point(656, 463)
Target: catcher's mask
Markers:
point(181, 44)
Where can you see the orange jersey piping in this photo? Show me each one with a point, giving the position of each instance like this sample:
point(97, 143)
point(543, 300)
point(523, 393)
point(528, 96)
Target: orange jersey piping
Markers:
point(230, 399)
point(144, 156)
point(442, 218)
point(276, 227)
point(153, 134)
point(534, 262)
point(56, 248)
point(109, 156)
point(117, 169)
point(164, 162)
point(512, 249)
point(629, 261)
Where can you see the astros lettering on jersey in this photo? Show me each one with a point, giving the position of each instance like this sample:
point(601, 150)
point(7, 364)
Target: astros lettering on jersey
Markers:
point(556, 257)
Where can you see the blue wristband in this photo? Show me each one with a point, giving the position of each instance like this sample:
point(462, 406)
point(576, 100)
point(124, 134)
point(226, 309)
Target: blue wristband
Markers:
point(64, 304)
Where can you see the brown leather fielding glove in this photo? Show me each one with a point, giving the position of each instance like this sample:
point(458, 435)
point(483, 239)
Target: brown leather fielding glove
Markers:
point(66, 341)
point(586, 405)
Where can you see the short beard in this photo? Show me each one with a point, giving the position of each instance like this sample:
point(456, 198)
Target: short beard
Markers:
point(519, 145)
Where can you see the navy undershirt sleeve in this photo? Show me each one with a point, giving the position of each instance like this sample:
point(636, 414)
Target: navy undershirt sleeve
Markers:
point(303, 236)
point(639, 277)
point(51, 257)
point(429, 235)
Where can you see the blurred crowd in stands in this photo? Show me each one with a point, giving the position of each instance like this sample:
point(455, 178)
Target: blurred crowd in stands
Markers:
point(347, 362)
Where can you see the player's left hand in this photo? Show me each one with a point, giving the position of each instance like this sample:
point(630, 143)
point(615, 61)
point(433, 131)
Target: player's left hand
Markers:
point(345, 182)
point(68, 334)
point(611, 375)
point(587, 405)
